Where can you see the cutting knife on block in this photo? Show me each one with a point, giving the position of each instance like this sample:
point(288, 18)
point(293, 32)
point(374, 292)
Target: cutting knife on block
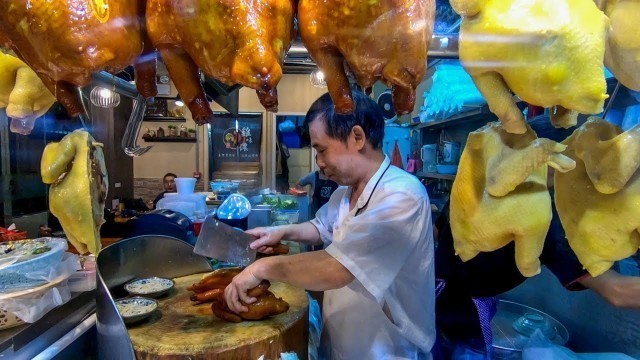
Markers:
point(220, 241)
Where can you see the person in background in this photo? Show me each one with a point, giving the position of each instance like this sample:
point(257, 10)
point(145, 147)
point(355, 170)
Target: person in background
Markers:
point(376, 270)
point(169, 184)
point(467, 291)
point(321, 188)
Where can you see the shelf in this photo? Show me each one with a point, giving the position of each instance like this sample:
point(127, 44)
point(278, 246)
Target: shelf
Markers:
point(454, 119)
point(171, 139)
point(164, 119)
point(431, 175)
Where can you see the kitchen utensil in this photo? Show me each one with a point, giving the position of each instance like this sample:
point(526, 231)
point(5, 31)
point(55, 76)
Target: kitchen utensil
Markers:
point(428, 157)
point(451, 152)
point(220, 241)
point(512, 325)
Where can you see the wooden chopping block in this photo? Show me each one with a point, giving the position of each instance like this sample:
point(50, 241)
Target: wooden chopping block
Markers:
point(181, 330)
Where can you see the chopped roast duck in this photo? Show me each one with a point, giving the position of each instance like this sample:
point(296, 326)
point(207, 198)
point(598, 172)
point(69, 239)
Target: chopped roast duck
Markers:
point(211, 289)
point(22, 93)
point(65, 41)
point(235, 41)
point(77, 173)
point(622, 56)
point(549, 52)
point(500, 194)
point(598, 202)
point(380, 39)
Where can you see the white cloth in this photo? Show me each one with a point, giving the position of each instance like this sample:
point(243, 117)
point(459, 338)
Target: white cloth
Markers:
point(387, 312)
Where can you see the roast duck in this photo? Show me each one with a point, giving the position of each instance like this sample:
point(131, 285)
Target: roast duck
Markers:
point(211, 289)
point(598, 202)
point(548, 52)
point(65, 41)
point(22, 93)
point(500, 194)
point(76, 170)
point(237, 42)
point(377, 40)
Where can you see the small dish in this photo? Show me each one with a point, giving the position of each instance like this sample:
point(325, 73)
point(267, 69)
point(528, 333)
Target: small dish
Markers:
point(135, 309)
point(150, 287)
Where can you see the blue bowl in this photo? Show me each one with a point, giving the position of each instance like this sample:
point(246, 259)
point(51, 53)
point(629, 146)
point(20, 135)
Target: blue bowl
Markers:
point(447, 169)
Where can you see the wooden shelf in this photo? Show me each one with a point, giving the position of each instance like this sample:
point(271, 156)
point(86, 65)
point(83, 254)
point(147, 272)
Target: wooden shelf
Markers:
point(432, 175)
point(171, 139)
point(164, 119)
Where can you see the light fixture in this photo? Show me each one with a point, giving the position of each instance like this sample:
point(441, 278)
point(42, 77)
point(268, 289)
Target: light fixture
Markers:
point(179, 103)
point(104, 98)
point(317, 79)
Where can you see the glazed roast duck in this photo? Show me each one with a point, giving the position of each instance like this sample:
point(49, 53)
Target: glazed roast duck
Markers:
point(211, 289)
point(65, 41)
point(237, 42)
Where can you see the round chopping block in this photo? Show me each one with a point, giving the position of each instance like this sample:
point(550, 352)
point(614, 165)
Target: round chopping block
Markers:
point(181, 330)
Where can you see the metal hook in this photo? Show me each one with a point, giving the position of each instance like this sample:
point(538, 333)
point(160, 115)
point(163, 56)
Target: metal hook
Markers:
point(610, 103)
point(129, 145)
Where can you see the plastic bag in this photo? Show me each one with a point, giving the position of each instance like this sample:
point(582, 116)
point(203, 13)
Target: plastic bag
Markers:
point(31, 307)
point(287, 126)
point(315, 327)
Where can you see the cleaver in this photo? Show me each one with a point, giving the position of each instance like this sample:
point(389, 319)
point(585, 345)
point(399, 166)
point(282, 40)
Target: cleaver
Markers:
point(222, 242)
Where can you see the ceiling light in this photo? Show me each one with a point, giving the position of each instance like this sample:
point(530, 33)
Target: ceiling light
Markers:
point(317, 79)
point(104, 98)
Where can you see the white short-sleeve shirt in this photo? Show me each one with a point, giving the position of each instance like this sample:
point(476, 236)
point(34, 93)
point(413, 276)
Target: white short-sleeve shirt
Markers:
point(386, 242)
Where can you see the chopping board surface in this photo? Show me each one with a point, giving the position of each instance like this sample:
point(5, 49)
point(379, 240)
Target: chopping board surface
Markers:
point(179, 329)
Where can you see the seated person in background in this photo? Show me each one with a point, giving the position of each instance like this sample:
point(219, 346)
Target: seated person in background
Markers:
point(466, 291)
point(169, 184)
point(321, 189)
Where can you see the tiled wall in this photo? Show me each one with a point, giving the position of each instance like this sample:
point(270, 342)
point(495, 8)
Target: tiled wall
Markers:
point(149, 188)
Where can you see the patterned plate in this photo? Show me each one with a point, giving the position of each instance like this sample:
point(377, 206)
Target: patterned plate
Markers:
point(136, 308)
point(151, 287)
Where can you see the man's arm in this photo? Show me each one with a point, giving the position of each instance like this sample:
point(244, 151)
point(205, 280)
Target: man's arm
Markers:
point(316, 271)
point(266, 237)
point(619, 290)
point(308, 179)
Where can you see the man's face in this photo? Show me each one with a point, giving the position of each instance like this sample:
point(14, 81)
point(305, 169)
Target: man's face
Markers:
point(169, 183)
point(335, 158)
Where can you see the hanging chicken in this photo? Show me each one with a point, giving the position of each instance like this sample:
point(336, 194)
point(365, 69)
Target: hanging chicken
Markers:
point(377, 39)
point(235, 41)
point(599, 201)
point(22, 93)
point(65, 41)
point(549, 52)
point(622, 56)
point(500, 194)
point(77, 173)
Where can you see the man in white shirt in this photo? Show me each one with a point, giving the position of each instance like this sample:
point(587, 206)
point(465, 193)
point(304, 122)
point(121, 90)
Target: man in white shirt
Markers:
point(377, 269)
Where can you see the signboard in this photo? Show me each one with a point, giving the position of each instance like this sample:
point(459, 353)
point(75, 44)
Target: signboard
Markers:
point(235, 138)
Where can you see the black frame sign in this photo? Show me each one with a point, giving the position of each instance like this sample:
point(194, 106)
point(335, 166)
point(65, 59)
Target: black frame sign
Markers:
point(235, 138)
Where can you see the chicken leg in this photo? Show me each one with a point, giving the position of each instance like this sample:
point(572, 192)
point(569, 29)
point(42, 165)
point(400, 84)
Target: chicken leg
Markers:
point(22, 93)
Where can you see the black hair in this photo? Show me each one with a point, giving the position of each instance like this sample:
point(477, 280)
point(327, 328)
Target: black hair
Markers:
point(170, 174)
point(367, 115)
point(542, 126)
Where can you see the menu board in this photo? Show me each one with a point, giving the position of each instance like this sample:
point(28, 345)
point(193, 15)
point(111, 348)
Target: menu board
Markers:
point(235, 138)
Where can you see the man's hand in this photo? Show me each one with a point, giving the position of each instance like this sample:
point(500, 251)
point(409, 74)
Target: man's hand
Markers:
point(267, 237)
point(237, 290)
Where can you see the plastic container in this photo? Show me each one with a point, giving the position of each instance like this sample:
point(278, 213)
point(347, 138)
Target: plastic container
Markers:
point(83, 280)
point(447, 169)
point(194, 206)
point(185, 186)
point(290, 216)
